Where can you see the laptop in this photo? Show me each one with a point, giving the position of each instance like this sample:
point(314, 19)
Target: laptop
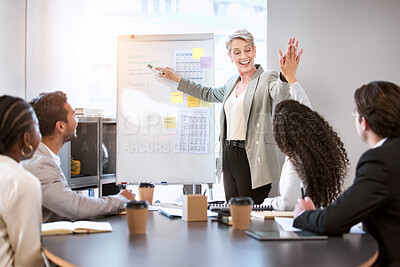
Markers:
point(284, 235)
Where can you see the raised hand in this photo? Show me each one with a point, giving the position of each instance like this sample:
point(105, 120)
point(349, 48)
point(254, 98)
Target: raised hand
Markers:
point(290, 61)
point(282, 58)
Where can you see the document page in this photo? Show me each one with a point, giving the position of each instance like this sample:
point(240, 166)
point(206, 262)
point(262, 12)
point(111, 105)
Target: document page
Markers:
point(286, 224)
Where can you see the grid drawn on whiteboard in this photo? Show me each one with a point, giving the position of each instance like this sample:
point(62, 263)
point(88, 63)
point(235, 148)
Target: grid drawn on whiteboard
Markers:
point(193, 131)
point(188, 67)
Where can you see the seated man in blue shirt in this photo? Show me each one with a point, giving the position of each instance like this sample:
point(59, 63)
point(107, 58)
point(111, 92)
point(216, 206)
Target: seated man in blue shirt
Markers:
point(374, 198)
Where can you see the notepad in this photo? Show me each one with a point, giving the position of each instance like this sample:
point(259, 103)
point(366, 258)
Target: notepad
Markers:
point(265, 215)
point(171, 212)
point(225, 207)
point(177, 213)
point(286, 224)
point(78, 227)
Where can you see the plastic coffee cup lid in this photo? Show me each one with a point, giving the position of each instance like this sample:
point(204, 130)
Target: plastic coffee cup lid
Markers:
point(139, 204)
point(241, 201)
point(146, 185)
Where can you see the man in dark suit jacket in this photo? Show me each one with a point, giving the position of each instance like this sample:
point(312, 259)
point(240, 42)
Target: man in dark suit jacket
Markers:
point(374, 198)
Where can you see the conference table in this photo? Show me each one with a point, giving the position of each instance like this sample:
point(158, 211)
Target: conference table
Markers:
point(174, 242)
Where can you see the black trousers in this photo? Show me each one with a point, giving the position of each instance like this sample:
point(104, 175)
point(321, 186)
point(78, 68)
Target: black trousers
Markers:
point(237, 179)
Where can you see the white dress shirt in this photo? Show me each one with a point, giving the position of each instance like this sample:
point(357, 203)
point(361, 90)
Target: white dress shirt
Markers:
point(55, 157)
point(20, 215)
point(235, 116)
point(380, 143)
point(289, 182)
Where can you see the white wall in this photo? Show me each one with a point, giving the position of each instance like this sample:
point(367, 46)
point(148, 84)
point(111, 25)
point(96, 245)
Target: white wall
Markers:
point(55, 53)
point(72, 45)
point(12, 47)
point(346, 44)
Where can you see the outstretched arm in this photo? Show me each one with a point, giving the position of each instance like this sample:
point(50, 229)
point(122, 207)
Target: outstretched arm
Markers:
point(203, 92)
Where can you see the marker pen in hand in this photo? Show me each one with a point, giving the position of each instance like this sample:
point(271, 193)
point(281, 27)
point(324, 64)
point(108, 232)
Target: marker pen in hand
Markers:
point(153, 68)
point(302, 190)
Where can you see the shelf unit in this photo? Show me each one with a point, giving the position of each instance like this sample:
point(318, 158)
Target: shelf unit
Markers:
point(87, 148)
point(108, 138)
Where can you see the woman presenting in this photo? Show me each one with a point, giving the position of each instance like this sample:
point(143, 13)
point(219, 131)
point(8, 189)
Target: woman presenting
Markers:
point(249, 157)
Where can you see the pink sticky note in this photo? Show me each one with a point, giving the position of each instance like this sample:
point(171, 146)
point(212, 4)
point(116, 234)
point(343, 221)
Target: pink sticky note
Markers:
point(206, 62)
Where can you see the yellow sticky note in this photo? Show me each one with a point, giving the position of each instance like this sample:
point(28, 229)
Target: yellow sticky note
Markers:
point(205, 104)
point(170, 122)
point(197, 53)
point(176, 97)
point(193, 102)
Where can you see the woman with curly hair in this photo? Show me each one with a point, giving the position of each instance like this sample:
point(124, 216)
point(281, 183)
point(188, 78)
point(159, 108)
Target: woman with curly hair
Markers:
point(315, 155)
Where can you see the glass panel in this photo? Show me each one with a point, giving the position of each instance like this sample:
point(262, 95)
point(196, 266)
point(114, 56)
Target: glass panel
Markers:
point(78, 53)
point(72, 45)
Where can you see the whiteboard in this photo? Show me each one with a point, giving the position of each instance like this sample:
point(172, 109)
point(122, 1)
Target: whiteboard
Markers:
point(163, 135)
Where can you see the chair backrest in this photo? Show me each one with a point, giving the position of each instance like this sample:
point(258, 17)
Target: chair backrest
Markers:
point(51, 260)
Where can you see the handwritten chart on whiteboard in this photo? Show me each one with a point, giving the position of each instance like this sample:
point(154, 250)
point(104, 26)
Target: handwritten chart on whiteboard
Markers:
point(193, 131)
point(187, 64)
point(164, 135)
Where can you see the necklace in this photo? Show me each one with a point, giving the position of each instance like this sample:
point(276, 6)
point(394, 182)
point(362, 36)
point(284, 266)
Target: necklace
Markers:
point(239, 91)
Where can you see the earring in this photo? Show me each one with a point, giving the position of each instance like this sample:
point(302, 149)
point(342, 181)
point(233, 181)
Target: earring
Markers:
point(27, 155)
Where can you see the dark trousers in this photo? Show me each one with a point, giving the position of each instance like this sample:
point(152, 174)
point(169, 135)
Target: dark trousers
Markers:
point(237, 179)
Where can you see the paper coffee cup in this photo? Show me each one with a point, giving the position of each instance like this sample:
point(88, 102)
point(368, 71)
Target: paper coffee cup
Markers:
point(136, 214)
point(240, 208)
point(146, 191)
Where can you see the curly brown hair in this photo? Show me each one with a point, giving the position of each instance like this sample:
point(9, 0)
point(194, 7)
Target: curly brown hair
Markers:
point(314, 148)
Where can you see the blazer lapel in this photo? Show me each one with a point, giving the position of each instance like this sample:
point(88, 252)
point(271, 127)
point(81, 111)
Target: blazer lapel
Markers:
point(230, 87)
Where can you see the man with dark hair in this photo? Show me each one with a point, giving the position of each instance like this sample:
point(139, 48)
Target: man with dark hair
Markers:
point(57, 122)
point(374, 198)
point(50, 110)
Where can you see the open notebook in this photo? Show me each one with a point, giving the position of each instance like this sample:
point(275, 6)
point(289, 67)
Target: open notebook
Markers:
point(78, 227)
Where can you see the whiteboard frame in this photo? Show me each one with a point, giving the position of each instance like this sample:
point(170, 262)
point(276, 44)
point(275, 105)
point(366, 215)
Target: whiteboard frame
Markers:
point(212, 144)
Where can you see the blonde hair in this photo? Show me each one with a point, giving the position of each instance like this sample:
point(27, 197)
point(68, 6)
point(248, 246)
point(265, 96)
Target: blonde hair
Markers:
point(240, 34)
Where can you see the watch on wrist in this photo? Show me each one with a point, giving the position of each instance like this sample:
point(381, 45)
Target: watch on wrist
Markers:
point(282, 77)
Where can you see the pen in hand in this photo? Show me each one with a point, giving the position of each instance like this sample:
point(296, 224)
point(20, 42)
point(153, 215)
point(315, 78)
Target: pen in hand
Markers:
point(153, 68)
point(302, 190)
